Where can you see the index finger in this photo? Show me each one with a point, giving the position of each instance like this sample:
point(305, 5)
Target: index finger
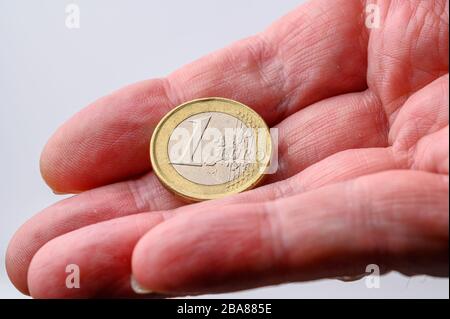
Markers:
point(316, 52)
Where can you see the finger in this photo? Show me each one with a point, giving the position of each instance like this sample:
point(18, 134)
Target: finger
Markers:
point(396, 219)
point(274, 72)
point(97, 205)
point(357, 120)
point(101, 254)
point(349, 121)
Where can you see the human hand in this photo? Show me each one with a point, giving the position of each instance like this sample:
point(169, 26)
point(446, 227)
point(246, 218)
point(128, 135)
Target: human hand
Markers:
point(363, 173)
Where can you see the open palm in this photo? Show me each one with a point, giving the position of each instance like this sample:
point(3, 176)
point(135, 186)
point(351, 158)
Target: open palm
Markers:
point(363, 175)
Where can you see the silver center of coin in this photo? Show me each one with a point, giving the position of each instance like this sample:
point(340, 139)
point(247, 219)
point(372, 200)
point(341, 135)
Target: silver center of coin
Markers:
point(211, 148)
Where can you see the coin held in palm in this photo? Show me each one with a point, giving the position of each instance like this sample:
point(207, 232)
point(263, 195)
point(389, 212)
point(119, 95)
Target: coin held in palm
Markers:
point(210, 148)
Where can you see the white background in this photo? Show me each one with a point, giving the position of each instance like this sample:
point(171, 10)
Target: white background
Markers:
point(48, 72)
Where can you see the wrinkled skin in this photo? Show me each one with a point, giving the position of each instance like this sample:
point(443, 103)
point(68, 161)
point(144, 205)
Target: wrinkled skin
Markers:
point(363, 122)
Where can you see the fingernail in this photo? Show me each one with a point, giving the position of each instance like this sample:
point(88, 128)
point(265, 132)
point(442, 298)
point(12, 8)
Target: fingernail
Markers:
point(59, 193)
point(350, 278)
point(137, 288)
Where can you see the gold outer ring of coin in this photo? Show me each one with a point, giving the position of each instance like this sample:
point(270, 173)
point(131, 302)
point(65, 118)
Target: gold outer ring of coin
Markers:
point(187, 189)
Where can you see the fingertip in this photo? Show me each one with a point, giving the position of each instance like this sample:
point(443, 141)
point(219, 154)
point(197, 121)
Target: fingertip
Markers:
point(47, 275)
point(147, 274)
point(15, 264)
point(105, 142)
point(46, 173)
point(200, 252)
point(138, 288)
point(163, 261)
point(52, 166)
point(63, 167)
point(37, 286)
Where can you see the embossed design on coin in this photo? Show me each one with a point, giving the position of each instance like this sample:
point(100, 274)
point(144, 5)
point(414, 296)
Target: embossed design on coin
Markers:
point(210, 148)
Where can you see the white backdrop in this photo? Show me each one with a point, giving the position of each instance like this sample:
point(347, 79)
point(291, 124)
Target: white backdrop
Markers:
point(48, 72)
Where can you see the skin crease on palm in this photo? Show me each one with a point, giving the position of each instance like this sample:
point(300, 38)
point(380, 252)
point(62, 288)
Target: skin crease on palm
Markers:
point(363, 175)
